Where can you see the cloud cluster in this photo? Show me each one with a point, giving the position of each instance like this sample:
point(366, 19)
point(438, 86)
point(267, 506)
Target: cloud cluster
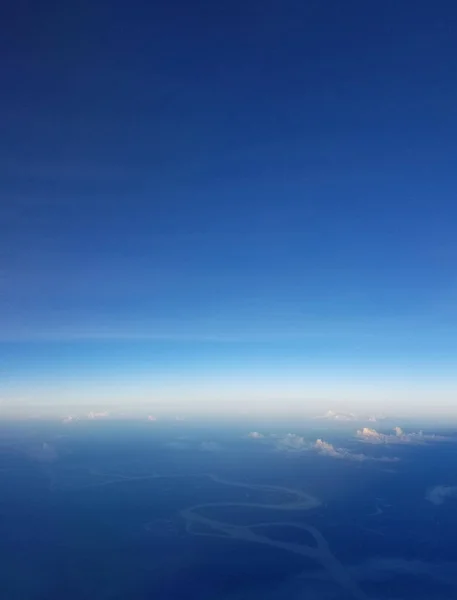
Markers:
point(291, 442)
point(327, 449)
point(440, 493)
point(398, 437)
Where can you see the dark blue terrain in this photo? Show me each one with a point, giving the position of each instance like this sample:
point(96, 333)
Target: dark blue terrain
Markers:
point(114, 510)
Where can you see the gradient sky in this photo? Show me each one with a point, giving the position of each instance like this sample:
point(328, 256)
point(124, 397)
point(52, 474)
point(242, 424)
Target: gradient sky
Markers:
point(207, 204)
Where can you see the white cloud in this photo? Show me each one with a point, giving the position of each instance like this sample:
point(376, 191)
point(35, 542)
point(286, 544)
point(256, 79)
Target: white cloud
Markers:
point(255, 435)
point(152, 418)
point(332, 415)
point(344, 417)
point(399, 437)
point(440, 493)
point(327, 449)
point(376, 418)
point(97, 415)
point(370, 435)
point(292, 442)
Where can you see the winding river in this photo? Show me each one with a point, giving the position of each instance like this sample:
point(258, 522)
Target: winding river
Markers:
point(299, 501)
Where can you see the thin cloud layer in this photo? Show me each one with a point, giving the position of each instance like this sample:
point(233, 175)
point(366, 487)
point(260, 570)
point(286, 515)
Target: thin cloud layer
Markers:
point(399, 437)
point(332, 415)
point(344, 417)
point(255, 435)
point(440, 493)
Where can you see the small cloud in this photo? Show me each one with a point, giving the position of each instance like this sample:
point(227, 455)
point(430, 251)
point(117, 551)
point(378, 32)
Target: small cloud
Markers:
point(375, 418)
point(97, 415)
point(332, 415)
point(152, 418)
point(370, 435)
point(327, 449)
point(210, 447)
point(255, 435)
point(68, 419)
point(440, 493)
point(292, 442)
point(399, 437)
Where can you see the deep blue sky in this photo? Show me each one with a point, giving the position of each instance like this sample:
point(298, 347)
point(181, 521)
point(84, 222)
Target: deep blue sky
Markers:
point(213, 187)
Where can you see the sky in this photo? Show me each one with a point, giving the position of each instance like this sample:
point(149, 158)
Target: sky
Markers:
point(228, 206)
